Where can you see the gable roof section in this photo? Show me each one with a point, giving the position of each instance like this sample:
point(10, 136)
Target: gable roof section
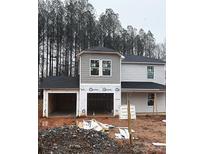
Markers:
point(142, 85)
point(59, 82)
point(101, 50)
point(141, 59)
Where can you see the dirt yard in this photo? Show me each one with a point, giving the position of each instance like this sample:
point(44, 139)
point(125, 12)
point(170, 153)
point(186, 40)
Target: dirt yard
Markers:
point(148, 129)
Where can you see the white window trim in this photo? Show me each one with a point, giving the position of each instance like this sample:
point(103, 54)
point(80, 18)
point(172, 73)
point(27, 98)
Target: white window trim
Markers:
point(110, 68)
point(153, 72)
point(90, 67)
point(100, 68)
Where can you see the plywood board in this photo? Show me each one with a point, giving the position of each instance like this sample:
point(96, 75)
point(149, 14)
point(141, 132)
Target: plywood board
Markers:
point(123, 112)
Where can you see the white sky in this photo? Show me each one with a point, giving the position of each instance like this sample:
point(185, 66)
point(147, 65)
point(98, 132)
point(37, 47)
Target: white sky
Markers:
point(146, 14)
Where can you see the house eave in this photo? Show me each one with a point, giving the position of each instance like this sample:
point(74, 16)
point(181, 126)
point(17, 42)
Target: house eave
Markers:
point(100, 52)
point(149, 63)
point(59, 88)
point(141, 90)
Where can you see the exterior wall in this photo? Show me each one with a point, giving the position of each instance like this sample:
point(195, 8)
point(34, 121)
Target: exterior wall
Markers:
point(140, 101)
point(46, 99)
point(85, 76)
point(51, 105)
point(161, 102)
point(138, 72)
point(99, 88)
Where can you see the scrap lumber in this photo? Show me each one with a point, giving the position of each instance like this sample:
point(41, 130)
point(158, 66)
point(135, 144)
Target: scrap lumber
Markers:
point(159, 144)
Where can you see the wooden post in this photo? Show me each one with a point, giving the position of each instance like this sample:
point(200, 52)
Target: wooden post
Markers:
point(129, 122)
point(127, 98)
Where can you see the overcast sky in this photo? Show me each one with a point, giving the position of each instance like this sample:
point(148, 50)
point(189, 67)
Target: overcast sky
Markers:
point(146, 14)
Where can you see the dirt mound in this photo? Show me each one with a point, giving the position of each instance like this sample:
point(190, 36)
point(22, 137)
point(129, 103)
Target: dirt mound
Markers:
point(71, 139)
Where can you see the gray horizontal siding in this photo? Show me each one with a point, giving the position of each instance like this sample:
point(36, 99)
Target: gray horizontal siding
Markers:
point(85, 74)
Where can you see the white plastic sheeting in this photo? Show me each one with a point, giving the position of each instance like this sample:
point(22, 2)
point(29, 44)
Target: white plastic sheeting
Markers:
point(95, 125)
point(124, 133)
point(159, 144)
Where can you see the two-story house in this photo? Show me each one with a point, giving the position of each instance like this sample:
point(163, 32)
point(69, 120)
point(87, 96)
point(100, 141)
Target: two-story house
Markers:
point(107, 79)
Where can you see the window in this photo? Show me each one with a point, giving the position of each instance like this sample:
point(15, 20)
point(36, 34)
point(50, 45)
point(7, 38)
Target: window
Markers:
point(100, 67)
point(150, 72)
point(106, 67)
point(94, 66)
point(150, 99)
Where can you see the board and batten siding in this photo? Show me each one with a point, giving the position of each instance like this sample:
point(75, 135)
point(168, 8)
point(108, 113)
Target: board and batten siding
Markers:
point(139, 100)
point(138, 73)
point(85, 69)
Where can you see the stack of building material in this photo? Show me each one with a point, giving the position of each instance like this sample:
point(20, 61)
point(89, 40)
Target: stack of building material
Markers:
point(123, 133)
point(124, 114)
point(95, 125)
point(159, 144)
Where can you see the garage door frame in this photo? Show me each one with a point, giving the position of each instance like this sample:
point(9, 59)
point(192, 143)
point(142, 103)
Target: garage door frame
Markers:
point(101, 93)
point(45, 99)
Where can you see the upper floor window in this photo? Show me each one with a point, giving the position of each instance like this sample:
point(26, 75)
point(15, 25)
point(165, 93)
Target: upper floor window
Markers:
point(94, 66)
point(150, 72)
point(106, 67)
point(100, 67)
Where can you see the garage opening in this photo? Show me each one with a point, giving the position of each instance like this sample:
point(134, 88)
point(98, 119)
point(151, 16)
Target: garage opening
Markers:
point(100, 103)
point(62, 104)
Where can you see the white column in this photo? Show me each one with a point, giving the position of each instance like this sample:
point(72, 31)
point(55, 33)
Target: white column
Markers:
point(45, 103)
point(77, 104)
point(83, 103)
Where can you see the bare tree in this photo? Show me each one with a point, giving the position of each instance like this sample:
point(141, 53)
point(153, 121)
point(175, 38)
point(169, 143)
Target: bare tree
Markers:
point(67, 27)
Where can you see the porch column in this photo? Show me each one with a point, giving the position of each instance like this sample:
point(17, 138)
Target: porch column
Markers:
point(127, 97)
point(45, 103)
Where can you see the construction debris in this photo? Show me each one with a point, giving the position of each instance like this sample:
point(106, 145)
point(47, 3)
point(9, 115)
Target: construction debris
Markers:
point(159, 144)
point(124, 114)
point(148, 129)
point(124, 133)
point(72, 139)
point(95, 125)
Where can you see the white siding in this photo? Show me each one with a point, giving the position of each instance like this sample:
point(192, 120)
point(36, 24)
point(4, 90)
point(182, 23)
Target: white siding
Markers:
point(161, 102)
point(138, 73)
point(98, 88)
point(140, 102)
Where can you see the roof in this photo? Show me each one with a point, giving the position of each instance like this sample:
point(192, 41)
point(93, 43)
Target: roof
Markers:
point(100, 50)
point(73, 82)
point(141, 59)
point(59, 82)
point(142, 85)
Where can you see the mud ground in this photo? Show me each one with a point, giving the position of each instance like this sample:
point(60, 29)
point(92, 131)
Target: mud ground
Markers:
point(148, 129)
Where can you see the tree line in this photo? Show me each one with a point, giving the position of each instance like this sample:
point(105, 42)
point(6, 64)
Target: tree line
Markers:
point(67, 27)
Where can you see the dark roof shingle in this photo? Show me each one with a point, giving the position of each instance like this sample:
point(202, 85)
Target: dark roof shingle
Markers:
point(141, 59)
point(104, 49)
point(142, 85)
point(59, 82)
